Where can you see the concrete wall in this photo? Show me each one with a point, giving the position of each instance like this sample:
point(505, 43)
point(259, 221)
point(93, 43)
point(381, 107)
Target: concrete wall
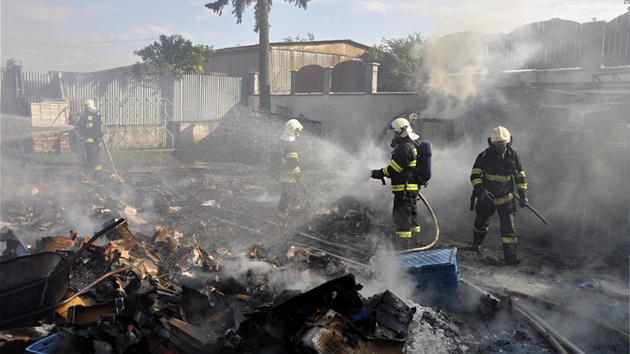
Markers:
point(349, 118)
point(187, 133)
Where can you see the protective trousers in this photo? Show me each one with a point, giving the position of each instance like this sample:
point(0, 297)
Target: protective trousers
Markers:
point(92, 154)
point(485, 209)
point(405, 213)
point(289, 198)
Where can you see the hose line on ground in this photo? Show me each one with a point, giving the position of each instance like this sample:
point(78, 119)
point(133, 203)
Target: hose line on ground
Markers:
point(112, 162)
point(436, 228)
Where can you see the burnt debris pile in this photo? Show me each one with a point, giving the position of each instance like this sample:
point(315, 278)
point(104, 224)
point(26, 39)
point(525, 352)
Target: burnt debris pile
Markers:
point(191, 259)
point(242, 137)
point(128, 293)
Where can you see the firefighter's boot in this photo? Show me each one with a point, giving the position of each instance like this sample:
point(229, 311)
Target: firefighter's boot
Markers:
point(401, 243)
point(477, 241)
point(98, 174)
point(510, 253)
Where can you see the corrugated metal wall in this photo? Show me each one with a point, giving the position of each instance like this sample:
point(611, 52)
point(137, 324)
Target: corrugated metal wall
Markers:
point(132, 111)
point(123, 99)
point(233, 62)
point(10, 83)
point(544, 45)
point(553, 44)
point(107, 84)
point(616, 50)
point(202, 98)
point(39, 87)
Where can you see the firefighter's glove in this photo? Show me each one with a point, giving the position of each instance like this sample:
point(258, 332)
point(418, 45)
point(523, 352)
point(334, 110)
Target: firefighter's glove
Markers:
point(377, 174)
point(482, 194)
point(487, 197)
point(522, 196)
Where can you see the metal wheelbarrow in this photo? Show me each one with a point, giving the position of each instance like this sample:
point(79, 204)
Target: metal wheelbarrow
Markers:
point(32, 285)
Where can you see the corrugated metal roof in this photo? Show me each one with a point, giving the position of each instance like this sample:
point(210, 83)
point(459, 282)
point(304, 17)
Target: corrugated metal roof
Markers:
point(279, 45)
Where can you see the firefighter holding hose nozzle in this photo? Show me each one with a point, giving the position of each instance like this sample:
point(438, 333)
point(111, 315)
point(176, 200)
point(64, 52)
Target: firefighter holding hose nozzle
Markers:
point(409, 169)
point(495, 173)
point(284, 164)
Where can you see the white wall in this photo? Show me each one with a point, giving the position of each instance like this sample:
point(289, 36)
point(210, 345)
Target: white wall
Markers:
point(350, 118)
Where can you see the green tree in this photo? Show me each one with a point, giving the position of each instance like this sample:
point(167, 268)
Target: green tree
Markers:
point(172, 56)
point(397, 63)
point(11, 64)
point(261, 13)
point(309, 38)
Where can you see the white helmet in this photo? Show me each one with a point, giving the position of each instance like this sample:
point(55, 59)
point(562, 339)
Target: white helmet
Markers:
point(89, 104)
point(500, 134)
point(400, 126)
point(499, 139)
point(293, 127)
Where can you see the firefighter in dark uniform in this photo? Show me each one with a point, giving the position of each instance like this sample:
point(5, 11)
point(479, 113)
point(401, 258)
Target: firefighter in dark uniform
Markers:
point(90, 128)
point(495, 173)
point(287, 169)
point(405, 183)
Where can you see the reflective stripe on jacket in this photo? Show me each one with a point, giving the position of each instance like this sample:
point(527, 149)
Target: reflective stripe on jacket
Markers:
point(496, 174)
point(90, 125)
point(401, 167)
point(289, 166)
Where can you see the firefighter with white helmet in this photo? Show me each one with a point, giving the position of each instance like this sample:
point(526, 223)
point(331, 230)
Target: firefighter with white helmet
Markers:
point(292, 128)
point(90, 128)
point(284, 164)
point(495, 174)
point(404, 181)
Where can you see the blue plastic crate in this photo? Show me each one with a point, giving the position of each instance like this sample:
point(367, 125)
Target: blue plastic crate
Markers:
point(46, 345)
point(433, 269)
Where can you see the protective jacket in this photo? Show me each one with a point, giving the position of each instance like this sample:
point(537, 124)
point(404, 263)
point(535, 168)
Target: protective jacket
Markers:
point(495, 175)
point(401, 168)
point(287, 167)
point(405, 186)
point(90, 125)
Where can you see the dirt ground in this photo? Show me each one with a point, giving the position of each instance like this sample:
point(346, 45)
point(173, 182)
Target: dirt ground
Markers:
point(575, 284)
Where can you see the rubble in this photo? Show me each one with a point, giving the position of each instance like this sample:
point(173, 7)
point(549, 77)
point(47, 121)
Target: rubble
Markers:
point(117, 298)
point(198, 264)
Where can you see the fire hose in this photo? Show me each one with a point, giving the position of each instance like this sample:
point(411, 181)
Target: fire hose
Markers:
point(436, 227)
point(112, 162)
point(555, 339)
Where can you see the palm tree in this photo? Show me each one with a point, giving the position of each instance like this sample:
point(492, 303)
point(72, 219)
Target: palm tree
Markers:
point(261, 12)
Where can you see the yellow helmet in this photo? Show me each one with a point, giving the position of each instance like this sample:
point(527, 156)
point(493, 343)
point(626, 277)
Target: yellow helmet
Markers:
point(89, 104)
point(400, 126)
point(293, 127)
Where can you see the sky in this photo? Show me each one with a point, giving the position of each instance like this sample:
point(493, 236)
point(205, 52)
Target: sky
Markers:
point(89, 35)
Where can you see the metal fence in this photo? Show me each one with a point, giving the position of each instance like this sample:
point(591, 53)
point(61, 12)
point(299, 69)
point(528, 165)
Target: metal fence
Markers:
point(124, 99)
point(545, 45)
point(137, 113)
point(205, 98)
